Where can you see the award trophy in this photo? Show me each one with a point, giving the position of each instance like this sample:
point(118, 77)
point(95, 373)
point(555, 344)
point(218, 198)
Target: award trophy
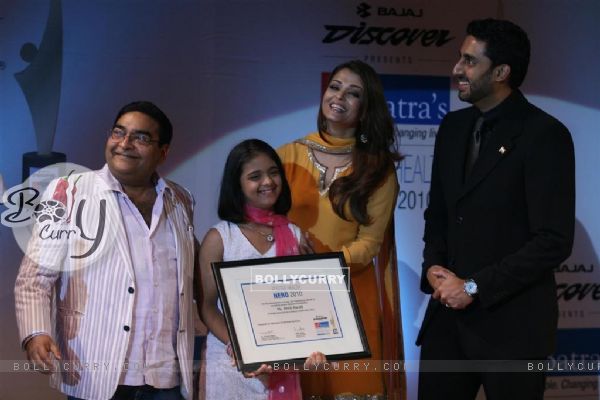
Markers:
point(40, 82)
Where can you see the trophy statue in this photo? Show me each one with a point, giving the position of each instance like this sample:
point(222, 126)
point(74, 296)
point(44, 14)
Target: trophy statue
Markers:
point(40, 82)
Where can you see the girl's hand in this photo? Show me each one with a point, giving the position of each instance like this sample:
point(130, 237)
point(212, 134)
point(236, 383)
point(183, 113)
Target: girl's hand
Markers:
point(229, 350)
point(315, 360)
point(262, 374)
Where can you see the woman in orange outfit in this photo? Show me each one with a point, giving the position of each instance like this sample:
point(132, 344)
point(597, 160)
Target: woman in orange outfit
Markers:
point(344, 191)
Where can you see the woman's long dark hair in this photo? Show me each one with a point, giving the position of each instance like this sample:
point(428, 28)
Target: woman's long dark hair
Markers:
point(371, 161)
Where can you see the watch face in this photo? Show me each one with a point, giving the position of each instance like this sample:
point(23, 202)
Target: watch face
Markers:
point(470, 287)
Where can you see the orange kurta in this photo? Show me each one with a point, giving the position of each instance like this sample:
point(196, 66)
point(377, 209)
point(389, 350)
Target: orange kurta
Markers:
point(313, 213)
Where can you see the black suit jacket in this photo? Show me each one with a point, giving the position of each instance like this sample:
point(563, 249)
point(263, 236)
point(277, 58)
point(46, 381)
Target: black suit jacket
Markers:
point(506, 226)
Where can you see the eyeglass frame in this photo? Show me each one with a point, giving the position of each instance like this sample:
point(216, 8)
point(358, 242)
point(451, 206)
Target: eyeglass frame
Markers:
point(132, 136)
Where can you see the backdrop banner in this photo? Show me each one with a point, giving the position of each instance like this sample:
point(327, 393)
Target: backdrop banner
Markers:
point(224, 71)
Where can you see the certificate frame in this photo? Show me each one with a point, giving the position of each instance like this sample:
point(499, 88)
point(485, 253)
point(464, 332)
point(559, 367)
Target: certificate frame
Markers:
point(267, 326)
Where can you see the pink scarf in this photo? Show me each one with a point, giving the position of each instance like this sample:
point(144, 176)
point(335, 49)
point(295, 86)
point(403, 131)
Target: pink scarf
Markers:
point(285, 242)
point(282, 385)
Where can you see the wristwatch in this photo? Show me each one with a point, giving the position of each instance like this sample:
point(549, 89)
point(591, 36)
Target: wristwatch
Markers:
point(470, 287)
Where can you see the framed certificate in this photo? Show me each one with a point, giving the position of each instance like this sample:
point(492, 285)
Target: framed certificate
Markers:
point(282, 309)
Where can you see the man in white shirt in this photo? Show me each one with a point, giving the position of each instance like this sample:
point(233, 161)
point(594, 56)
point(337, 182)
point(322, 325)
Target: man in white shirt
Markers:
point(124, 308)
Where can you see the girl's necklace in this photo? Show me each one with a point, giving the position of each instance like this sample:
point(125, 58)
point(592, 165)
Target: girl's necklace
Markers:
point(268, 236)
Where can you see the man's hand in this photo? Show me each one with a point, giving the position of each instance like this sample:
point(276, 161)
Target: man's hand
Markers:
point(436, 275)
point(450, 290)
point(38, 350)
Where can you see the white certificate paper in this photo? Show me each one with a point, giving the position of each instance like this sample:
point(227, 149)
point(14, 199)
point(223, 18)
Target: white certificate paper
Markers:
point(284, 313)
point(284, 308)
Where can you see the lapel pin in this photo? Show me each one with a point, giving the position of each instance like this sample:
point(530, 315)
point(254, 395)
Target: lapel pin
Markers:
point(502, 150)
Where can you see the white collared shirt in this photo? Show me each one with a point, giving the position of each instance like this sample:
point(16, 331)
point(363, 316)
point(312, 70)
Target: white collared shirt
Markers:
point(152, 351)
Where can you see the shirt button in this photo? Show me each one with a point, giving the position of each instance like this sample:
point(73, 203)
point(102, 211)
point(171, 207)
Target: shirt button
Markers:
point(155, 311)
point(459, 220)
point(155, 284)
point(126, 328)
point(131, 290)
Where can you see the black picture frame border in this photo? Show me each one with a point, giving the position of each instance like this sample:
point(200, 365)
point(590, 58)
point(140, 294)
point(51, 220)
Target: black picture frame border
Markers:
point(248, 367)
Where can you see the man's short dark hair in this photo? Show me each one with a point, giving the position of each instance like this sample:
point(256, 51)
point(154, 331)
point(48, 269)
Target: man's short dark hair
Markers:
point(231, 197)
point(165, 129)
point(506, 43)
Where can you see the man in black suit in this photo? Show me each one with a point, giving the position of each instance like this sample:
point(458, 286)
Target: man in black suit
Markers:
point(501, 217)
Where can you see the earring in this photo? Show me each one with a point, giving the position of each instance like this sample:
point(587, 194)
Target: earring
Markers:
point(363, 138)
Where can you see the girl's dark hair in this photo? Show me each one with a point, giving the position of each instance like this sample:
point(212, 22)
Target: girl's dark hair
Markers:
point(231, 197)
point(371, 161)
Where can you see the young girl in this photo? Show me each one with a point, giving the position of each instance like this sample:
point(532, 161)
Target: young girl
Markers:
point(253, 202)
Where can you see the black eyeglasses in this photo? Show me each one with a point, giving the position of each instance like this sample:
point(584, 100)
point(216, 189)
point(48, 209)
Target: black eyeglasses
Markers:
point(136, 138)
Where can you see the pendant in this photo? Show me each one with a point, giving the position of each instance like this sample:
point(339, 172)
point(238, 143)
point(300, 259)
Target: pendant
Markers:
point(269, 238)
